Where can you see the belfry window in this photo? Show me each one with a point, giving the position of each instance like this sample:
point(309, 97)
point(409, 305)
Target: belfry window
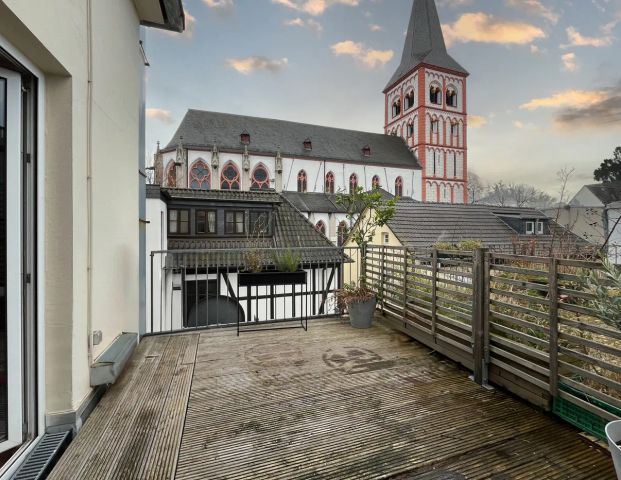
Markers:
point(409, 99)
point(451, 97)
point(396, 108)
point(434, 95)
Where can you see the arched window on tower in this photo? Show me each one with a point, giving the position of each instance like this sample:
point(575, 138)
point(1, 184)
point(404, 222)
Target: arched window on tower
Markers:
point(353, 183)
point(410, 130)
point(229, 180)
point(200, 176)
point(399, 187)
point(375, 182)
point(396, 108)
point(455, 133)
point(321, 227)
point(171, 175)
point(451, 97)
point(409, 99)
point(435, 95)
point(260, 178)
point(329, 182)
point(341, 233)
point(302, 181)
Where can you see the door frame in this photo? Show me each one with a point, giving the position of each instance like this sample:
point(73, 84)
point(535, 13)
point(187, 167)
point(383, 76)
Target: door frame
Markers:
point(14, 310)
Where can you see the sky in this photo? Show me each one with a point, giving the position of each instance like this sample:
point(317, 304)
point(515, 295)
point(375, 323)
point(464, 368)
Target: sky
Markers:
point(544, 91)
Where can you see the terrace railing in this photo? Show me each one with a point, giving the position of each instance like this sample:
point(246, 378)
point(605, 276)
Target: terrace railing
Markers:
point(200, 289)
point(524, 323)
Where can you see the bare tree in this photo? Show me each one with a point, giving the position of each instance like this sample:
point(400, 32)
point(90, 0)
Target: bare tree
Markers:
point(476, 188)
point(516, 195)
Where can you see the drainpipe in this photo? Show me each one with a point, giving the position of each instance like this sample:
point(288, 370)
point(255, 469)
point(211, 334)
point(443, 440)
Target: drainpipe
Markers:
point(89, 181)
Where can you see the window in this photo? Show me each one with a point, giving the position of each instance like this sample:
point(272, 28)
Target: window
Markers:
point(200, 176)
point(329, 182)
point(342, 233)
point(540, 228)
point(409, 100)
point(179, 221)
point(410, 130)
point(366, 150)
point(308, 144)
point(396, 108)
point(455, 129)
point(302, 181)
point(171, 175)
point(435, 126)
point(434, 95)
point(244, 138)
point(230, 177)
point(235, 222)
point(353, 183)
point(259, 223)
point(530, 228)
point(321, 227)
point(205, 222)
point(260, 178)
point(399, 187)
point(375, 182)
point(451, 97)
point(385, 238)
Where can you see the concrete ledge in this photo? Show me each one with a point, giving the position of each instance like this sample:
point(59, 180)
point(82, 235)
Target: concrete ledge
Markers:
point(73, 420)
point(111, 362)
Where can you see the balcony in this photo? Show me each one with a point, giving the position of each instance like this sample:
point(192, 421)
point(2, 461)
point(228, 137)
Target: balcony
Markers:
point(334, 402)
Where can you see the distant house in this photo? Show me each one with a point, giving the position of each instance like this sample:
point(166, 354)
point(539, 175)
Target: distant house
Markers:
point(529, 231)
point(613, 225)
point(202, 288)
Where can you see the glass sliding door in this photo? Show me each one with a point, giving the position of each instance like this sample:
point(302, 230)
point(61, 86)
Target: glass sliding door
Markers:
point(11, 261)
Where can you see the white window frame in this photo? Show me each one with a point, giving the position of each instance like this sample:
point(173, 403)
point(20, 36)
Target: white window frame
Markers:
point(530, 227)
point(15, 380)
point(540, 227)
point(385, 238)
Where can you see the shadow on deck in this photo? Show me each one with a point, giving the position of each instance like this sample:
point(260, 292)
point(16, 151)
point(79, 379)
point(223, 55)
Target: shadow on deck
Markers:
point(330, 403)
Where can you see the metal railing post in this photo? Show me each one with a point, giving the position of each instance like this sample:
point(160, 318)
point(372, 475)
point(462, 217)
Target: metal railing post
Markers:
point(553, 319)
point(478, 315)
point(434, 292)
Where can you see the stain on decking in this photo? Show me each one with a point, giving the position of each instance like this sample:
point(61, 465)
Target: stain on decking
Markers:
point(330, 403)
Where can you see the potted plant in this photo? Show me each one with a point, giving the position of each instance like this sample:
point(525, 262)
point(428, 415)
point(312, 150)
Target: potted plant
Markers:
point(286, 270)
point(370, 210)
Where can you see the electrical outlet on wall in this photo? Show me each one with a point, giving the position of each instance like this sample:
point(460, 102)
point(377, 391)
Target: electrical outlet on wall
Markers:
point(97, 337)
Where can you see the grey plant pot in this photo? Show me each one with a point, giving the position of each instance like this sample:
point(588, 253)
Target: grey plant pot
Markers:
point(361, 313)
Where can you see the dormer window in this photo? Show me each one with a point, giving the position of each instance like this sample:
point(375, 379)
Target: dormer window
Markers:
point(245, 138)
point(308, 145)
point(409, 99)
point(366, 151)
point(451, 97)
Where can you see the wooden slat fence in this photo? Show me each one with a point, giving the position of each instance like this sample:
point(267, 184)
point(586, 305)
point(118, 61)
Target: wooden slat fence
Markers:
point(524, 323)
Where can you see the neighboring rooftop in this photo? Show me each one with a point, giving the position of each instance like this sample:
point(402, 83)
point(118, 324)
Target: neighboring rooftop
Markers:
point(200, 129)
point(314, 202)
point(608, 192)
point(424, 43)
point(421, 225)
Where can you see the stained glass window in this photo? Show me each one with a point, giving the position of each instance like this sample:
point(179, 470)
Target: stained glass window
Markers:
point(230, 177)
point(260, 178)
point(200, 176)
point(330, 182)
point(302, 181)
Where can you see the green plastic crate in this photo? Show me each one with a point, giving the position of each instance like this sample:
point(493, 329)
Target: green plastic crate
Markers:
point(580, 417)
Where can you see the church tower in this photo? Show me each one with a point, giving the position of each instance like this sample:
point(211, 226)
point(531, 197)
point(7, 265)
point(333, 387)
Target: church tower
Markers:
point(425, 103)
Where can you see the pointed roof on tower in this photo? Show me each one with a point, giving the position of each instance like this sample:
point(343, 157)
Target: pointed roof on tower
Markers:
point(424, 43)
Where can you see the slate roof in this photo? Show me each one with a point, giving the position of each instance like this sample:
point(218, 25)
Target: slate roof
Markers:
point(200, 129)
point(291, 228)
point(424, 43)
point(421, 225)
point(314, 202)
point(607, 192)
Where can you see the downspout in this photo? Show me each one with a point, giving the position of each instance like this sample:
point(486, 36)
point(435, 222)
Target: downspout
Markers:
point(89, 182)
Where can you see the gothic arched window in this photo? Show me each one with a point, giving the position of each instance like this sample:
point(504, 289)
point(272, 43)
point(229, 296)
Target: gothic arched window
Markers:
point(171, 175)
point(329, 182)
point(302, 181)
point(410, 130)
point(260, 178)
point(451, 97)
point(342, 233)
point(396, 108)
point(375, 182)
point(353, 183)
point(321, 227)
point(229, 180)
point(399, 187)
point(409, 99)
point(200, 176)
point(434, 95)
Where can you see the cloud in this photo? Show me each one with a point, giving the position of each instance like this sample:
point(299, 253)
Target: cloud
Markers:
point(375, 28)
point(369, 57)
point(536, 7)
point(314, 7)
point(569, 62)
point(576, 39)
point(481, 27)
point(476, 121)
point(224, 7)
point(567, 98)
point(453, 3)
point(535, 50)
point(518, 124)
point(310, 24)
point(160, 114)
point(248, 65)
point(579, 109)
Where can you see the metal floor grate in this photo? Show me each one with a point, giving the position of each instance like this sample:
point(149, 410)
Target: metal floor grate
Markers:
point(43, 457)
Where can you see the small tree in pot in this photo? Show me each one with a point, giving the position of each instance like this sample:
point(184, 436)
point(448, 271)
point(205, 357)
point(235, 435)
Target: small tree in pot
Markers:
point(370, 210)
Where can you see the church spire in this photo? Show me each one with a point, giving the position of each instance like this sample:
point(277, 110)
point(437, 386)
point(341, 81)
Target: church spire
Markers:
point(424, 43)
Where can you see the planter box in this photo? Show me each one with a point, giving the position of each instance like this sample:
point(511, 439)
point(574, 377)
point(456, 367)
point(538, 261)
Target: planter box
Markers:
point(269, 279)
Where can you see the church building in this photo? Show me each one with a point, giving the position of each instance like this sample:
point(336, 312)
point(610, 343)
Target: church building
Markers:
point(421, 154)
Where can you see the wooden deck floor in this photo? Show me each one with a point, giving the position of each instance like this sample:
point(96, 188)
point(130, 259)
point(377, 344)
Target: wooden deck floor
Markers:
point(330, 403)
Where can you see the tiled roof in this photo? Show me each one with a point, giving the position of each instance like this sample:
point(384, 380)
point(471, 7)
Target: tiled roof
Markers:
point(201, 129)
point(314, 202)
point(424, 43)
